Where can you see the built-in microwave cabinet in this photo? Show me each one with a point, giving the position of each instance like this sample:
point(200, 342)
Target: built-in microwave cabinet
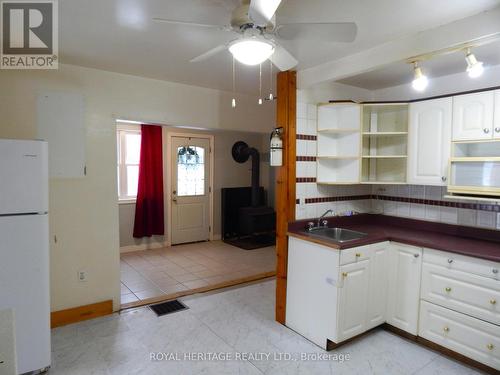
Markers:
point(429, 141)
point(473, 116)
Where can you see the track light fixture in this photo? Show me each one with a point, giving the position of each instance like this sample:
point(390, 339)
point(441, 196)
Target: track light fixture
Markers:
point(474, 68)
point(420, 81)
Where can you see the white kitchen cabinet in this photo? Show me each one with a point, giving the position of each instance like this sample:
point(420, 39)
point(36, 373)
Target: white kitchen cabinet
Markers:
point(8, 365)
point(473, 116)
point(312, 289)
point(429, 141)
point(461, 333)
point(496, 122)
point(377, 285)
point(353, 295)
point(405, 265)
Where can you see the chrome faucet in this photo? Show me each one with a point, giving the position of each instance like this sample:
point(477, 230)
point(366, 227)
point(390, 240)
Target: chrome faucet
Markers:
point(322, 216)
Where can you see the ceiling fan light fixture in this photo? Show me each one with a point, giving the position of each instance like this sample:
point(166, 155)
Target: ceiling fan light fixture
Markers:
point(474, 68)
point(420, 80)
point(251, 51)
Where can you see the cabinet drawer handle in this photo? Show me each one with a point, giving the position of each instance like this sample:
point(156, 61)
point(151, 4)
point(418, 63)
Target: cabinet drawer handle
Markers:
point(344, 274)
point(443, 178)
point(446, 329)
point(416, 255)
point(497, 130)
point(450, 261)
point(358, 255)
point(494, 270)
point(490, 346)
point(486, 130)
point(447, 289)
point(493, 301)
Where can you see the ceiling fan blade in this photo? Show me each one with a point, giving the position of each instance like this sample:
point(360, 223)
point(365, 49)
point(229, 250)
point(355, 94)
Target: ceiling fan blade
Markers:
point(262, 11)
point(209, 53)
point(282, 59)
point(330, 32)
point(183, 23)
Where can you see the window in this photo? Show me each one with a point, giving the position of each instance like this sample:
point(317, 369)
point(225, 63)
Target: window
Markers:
point(129, 150)
point(190, 171)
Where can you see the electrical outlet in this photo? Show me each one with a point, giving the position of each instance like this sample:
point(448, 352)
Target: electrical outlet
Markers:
point(82, 276)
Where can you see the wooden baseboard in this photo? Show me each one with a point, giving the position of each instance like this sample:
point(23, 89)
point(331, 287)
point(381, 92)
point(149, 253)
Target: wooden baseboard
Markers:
point(80, 313)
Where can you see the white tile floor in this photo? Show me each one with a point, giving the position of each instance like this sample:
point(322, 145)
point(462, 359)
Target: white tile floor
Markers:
point(233, 321)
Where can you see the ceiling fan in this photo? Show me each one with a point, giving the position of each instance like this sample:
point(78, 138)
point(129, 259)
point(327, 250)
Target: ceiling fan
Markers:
point(255, 22)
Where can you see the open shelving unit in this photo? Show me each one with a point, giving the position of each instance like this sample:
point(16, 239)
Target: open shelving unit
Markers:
point(475, 168)
point(384, 143)
point(339, 143)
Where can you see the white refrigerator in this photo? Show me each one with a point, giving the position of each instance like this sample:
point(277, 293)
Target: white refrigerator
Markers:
point(24, 249)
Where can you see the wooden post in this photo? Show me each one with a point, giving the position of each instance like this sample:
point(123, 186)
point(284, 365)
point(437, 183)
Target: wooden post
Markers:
point(285, 182)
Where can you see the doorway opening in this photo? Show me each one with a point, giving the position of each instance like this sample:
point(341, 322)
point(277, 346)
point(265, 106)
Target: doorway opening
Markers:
point(190, 257)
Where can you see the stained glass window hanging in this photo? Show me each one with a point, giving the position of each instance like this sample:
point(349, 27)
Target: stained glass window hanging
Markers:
point(190, 171)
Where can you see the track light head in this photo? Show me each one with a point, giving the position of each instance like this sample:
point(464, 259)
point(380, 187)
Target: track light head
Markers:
point(420, 81)
point(474, 68)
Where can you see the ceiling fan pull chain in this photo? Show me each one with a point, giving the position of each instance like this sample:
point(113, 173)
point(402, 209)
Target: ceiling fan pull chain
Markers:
point(271, 96)
point(233, 102)
point(260, 83)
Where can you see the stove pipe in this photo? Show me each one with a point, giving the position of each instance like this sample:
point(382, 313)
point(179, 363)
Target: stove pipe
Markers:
point(241, 152)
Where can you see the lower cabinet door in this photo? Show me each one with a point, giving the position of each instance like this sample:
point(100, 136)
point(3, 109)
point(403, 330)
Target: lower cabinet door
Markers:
point(377, 285)
point(352, 299)
point(405, 265)
point(461, 333)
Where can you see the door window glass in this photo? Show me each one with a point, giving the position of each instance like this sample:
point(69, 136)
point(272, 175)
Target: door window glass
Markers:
point(190, 171)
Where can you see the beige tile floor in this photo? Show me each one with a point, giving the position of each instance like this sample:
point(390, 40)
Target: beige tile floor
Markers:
point(155, 273)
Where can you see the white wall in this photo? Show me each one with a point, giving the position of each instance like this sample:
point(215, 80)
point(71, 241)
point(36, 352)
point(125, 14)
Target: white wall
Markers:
point(322, 93)
point(84, 211)
point(442, 85)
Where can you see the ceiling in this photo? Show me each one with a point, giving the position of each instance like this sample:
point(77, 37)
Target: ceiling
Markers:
point(400, 73)
point(119, 35)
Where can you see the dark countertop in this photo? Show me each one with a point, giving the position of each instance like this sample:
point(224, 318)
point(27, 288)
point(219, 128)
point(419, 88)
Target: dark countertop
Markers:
point(475, 242)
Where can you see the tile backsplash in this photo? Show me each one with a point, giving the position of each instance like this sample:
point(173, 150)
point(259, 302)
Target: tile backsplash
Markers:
point(412, 201)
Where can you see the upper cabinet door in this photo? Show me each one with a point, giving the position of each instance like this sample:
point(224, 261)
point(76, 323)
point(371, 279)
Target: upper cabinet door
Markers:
point(473, 116)
point(429, 141)
point(496, 125)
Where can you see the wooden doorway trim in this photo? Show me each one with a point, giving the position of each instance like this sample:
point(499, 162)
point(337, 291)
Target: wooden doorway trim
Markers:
point(286, 113)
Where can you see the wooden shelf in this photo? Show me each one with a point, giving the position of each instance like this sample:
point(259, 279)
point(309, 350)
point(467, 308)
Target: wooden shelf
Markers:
point(384, 156)
point(476, 159)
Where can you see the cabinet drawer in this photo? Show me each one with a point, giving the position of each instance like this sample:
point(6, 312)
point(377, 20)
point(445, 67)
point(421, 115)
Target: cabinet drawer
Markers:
point(463, 263)
point(354, 254)
point(463, 292)
point(461, 333)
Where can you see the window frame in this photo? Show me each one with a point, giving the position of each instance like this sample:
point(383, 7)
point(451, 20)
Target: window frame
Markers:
point(121, 133)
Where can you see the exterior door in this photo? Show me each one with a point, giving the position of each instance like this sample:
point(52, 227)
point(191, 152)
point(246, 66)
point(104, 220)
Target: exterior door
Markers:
point(429, 141)
point(353, 299)
point(405, 265)
point(473, 116)
point(190, 189)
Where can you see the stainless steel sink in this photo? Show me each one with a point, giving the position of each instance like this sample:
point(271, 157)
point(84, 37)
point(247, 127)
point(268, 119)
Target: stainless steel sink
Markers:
point(337, 234)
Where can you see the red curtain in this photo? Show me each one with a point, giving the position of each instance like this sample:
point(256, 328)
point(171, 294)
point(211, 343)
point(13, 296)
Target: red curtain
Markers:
point(149, 213)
